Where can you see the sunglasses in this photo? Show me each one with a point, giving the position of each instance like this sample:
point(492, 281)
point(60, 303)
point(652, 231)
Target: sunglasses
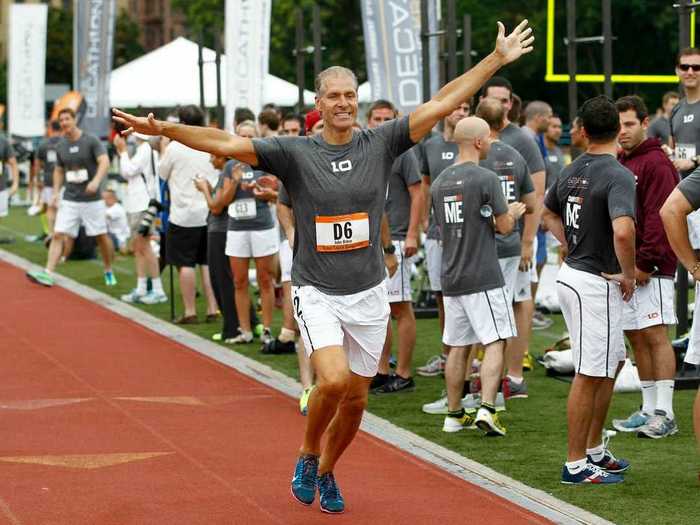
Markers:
point(686, 67)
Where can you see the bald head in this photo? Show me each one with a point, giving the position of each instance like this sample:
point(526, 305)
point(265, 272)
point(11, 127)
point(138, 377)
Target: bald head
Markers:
point(492, 111)
point(470, 129)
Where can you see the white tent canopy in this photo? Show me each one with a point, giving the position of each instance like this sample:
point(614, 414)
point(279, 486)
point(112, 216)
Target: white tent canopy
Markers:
point(169, 76)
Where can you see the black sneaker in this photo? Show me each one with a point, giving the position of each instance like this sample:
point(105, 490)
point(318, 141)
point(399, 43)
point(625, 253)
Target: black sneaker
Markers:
point(278, 347)
point(378, 381)
point(396, 384)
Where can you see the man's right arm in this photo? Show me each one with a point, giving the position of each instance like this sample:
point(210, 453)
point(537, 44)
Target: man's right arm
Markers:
point(623, 240)
point(674, 215)
point(212, 140)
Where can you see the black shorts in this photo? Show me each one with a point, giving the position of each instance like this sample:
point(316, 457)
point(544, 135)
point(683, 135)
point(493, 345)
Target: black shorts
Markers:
point(186, 246)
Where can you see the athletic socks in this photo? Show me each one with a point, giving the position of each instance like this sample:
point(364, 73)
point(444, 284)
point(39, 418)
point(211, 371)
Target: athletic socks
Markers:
point(456, 413)
point(491, 408)
point(286, 335)
point(596, 453)
point(574, 467)
point(142, 285)
point(664, 396)
point(648, 396)
point(157, 285)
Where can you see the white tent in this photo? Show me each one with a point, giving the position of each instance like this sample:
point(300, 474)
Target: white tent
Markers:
point(169, 76)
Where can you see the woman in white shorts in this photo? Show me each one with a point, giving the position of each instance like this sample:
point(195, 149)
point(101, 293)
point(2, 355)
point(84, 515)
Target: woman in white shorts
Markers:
point(251, 234)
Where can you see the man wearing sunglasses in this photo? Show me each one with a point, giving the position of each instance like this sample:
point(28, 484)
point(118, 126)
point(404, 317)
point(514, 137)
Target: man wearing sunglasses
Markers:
point(685, 118)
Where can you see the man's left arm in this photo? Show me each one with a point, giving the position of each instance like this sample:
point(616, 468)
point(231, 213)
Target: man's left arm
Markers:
point(532, 220)
point(508, 49)
point(390, 260)
point(416, 193)
point(102, 169)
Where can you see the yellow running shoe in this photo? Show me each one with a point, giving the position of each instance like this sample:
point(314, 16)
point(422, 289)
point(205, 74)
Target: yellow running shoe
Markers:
point(528, 362)
point(304, 400)
point(489, 423)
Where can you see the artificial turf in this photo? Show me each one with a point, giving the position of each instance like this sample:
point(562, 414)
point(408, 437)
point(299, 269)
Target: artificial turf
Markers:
point(661, 487)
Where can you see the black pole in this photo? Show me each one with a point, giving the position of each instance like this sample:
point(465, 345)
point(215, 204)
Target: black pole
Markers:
point(219, 106)
point(318, 46)
point(425, 48)
point(200, 62)
point(571, 57)
point(607, 48)
point(300, 58)
point(467, 42)
point(683, 24)
point(451, 40)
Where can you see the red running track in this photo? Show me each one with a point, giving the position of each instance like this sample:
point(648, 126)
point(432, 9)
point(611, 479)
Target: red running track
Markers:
point(202, 444)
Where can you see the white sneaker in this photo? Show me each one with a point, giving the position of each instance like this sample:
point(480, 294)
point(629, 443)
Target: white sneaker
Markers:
point(437, 407)
point(500, 402)
point(134, 296)
point(242, 338)
point(489, 423)
point(153, 297)
point(471, 402)
point(455, 424)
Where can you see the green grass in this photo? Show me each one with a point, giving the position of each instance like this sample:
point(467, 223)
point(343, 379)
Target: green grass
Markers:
point(661, 487)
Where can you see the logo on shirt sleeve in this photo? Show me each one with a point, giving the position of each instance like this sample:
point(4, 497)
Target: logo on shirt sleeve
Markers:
point(453, 209)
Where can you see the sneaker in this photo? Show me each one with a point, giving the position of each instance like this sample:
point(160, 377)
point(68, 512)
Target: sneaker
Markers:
point(541, 321)
point(378, 381)
point(610, 463)
point(277, 347)
point(243, 338)
point(437, 407)
point(110, 279)
point(218, 337)
point(528, 362)
point(471, 403)
point(304, 400)
point(396, 384)
point(500, 402)
point(512, 390)
point(659, 426)
point(266, 336)
point(329, 494)
point(489, 423)
point(455, 424)
point(154, 297)
point(633, 423)
point(590, 474)
point(41, 277)
point(133, 297)
point(304, 480)
point(434, 367)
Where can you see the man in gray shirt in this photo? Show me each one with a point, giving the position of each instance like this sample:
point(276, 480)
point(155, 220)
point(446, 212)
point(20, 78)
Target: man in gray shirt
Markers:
point(660, 127)
point(403, 209)
point(8, 164)
point(81, 160)
point(555, 161)
point(468, 202)
point(337, 182)
point(44, 164)
point(591, 211)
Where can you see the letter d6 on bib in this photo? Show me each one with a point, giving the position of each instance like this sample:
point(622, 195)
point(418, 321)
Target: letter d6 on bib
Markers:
point(340, 233)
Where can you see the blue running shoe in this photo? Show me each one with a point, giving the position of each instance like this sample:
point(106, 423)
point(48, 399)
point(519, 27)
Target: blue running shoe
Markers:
point(329, 493)
point(633, 423)
point(304, 480)
point(591, 474)
point(610, 463)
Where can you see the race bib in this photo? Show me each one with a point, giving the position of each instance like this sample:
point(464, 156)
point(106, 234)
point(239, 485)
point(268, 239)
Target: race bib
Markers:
point(51, 156)
point(243, 209)
point(340, 233)
point(77, 176)
point(553, 159)
point(685, 151)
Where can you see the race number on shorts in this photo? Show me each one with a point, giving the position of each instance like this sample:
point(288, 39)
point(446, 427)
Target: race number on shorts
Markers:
point(77, 176)
point(243, 209)
point(685, 151)
point(340, 233)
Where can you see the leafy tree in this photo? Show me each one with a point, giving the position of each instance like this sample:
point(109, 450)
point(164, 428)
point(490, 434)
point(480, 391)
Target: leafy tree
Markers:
point(205, 17)
point(59, 46)
point(126, 39)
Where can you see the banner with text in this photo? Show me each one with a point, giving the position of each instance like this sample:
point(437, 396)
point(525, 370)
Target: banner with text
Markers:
point(26, 70)
point(247, 54)
point(93, 48)
point(393, 50)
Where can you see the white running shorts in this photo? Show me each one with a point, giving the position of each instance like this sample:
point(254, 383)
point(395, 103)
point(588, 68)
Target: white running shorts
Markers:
point(482, 317)
point(286, 257)
point(692, 356)
point(592, 308)
point(252, 243)
point(433, 260)
point(92, 215)
point(398, 286)
point(4, 202)
point(509, 269)
point(357, 322)
point(46, 195)
point(651, 305)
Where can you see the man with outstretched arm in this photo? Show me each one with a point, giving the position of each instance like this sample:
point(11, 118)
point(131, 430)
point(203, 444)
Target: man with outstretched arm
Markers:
point(337, 182)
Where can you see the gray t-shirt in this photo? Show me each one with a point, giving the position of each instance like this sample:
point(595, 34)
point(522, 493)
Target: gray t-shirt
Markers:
point(436, 154)
point(590, 193)
point(79, 162)
point(246, 213)
point(554, 163)
point(660, 128)
point(512, 171)
point(338, 193)
point(404, 173)
point(46, 153)
point(526, 146)
point(218, 223)
point(690, 188)
point(469, 258)
point(685, 128)
point(7, 152)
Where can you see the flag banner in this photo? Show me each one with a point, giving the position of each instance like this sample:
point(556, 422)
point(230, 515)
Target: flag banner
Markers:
point(26, 70)
point(247, 54)
point(93, 48)
point(393, 50)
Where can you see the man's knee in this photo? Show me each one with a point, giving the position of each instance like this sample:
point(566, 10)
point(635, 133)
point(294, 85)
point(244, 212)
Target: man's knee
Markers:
point(334, 383)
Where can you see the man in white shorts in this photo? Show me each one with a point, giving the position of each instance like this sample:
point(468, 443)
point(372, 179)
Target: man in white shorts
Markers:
point(468, 202)
point(516, 183)
point(404, 207)
point(337, 182)
point(82, 161)
point(590, 210)
point(649, 314)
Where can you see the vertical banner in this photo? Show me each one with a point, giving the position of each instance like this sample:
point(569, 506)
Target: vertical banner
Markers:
point(247, 54)
point(393, 50)
point(26, 71)
point(93, 47)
